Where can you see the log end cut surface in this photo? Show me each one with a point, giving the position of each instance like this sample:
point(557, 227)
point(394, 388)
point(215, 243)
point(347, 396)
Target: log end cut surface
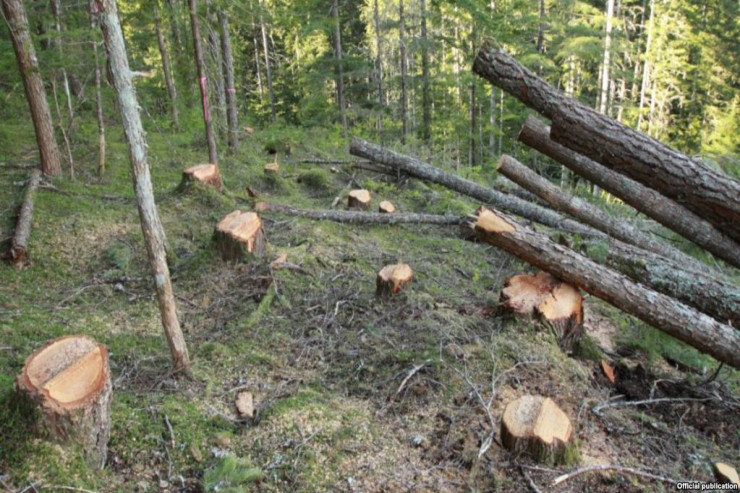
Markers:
point(239, 233)
point(725, 473)
point(208, 174)
point(523, 293)
point(386, 207)
point(359, 199)
point(392, 278)
point(537, 426)
point(491, 222)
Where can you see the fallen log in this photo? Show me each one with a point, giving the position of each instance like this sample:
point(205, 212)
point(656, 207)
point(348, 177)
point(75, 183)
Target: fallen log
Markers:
point(705, 291)
point(391, 279)
point(67, 383)
point(240, 234)
point(19, 243)
point(334, 161)
point(708, 193)
point(588, 213)
point(512, 204)
point(536, 134)
point(662, 312)
point(357, 217)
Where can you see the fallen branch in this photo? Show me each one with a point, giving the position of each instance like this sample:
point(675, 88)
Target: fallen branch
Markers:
point(413, 371)
point(627, 470)
point(357, 217)
point(335, 161)
point(597, 409)
point(19, 243)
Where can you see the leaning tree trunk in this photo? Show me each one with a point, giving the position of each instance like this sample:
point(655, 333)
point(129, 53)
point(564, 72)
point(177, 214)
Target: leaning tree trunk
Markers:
point(662, 312)
point(151, 227)
point(168, 79)
point(228, 66)
point(708, 193)
point(25, 56)
point(536, 135)
point(200, 64)
point(509, 203)
point(98, 94)
point(588, 213)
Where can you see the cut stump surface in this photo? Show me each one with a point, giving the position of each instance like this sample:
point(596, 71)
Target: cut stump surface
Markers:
point(537, 426)
point(392, 278)
point(359, 199)
point(271, 168)
point(386, 207)
point(239, 234)
point(207, 174)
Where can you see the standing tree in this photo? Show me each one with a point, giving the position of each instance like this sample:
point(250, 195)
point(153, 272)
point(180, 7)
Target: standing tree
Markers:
point(25, 55)
point(339, 72)
point(168, 79)
point(426, 104)
point(151, 227)
point(404, 70)
point(228, 66)
point(268, 71)
point(98, 95)
point(200, 64)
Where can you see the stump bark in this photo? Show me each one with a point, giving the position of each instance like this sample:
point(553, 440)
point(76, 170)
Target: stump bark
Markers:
point(19, 243)
point(391, 279)
point(386, 207)
point(68, 382)
point(207, 174)
point(359, 199)
point(240, 234)
point(536, 426)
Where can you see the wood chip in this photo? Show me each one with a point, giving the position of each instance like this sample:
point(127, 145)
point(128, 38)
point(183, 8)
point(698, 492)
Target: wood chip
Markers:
point(245, 404)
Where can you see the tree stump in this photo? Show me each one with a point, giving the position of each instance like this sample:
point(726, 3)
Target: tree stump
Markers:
point(359, 199)
point(725, 473)
point(386, 207)
point(536, 426)
point(557, 303)
point(271, 169)
point(240, 234)
point(391, 279)
point(68, 382)
point(207, 174)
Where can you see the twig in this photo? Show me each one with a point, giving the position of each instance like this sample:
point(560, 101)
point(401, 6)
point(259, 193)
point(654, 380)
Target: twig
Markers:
point(224, 416)
point(169, 429)
point(410, 374)
point(609, 467)
point(714, 375)
point(597, 409)
point(66, 488)
point(531, 482)
point(31, 486)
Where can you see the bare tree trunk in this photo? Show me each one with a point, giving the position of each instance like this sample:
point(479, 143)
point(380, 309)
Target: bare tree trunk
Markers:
point(255, 44)
point(662, 312)
point(169, 81)
point(404, 72)
point(471, 135)
point(536, 135)
point(606, 65)
point(98, 95)
point(339, 70)
point(217, 81)
point(268, 72)
point(358, 217)
point(426, 102)
point(25, 56)
point(378, 68)
point(200, 64)
point(646, 66)
point(151, 227)
point(67, 147)
point(228, 61)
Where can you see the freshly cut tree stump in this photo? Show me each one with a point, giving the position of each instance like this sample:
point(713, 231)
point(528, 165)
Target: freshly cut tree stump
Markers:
point(391, 279)
point(359, 199)
point(537, 426)
point(556, 302)
point(725, 473)
point(240, 234)
point(271, 168)
point(386, 207)
point(68, 382)
point(207, 174)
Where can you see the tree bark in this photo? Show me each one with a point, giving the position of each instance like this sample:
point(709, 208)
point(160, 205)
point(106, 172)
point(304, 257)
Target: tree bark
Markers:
point(662, 312)
point(169, 81)
point(228, 66)
point(151, 227)
point(25, 56)
point(19, 243)
point(378, 67)
point(708, 193)
point(200, 65)
point(404, 70)
point(217, 81)
point(268, 71)
point(426, 102)
point(98, 94)
point(358, 217)
point(509, 203)
point(588, 213)
point(339, 69)
point(707, 292)
point(536, 134)
point(606, 64)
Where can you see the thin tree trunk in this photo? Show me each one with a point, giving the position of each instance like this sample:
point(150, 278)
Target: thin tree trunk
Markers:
point(169, 81)
point(404, 70)
point(471, 135)
point(426, 103)
point(217, 81)
point(228, 65)
point(98, 94)
point(268, 72)
point(662, 312)
point(606, 64)
point(67, 147)
point(151, 227)
point(536, 135)
point(25, 56)
point(646, 66)
point(339, 70)
point(56, 10)
point(541, 29)
point(200, 64)
point(255, 44)
point(378, 68)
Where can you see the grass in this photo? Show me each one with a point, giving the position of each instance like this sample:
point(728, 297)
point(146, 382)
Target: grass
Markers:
point(324, 360)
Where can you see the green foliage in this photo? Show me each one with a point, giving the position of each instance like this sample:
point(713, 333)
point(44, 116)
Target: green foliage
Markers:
point(231, 475)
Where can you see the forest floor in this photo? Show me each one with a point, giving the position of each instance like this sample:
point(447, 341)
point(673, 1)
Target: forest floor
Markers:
point(352, 394)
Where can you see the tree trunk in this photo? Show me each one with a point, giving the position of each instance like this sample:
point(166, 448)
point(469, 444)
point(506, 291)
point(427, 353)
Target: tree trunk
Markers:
point(662, 312)
point(707, 292)
point(166, 69)
point(56, 10)
point(25, 56)
point(19, 243)
point(588, 213)
point(60, 124)
point(404, 70)
point(509, 203)
point(426, 102)
point(339, 70)
point(268, 71)
point(646, 67)
point(151, 227)
point(200, 65)
point(536, 134)
point(357, 217)
point(698, 187)
point(378, 68)
point(606, 64)
point(217, 81)
point(228, 65)
point(98, 94)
